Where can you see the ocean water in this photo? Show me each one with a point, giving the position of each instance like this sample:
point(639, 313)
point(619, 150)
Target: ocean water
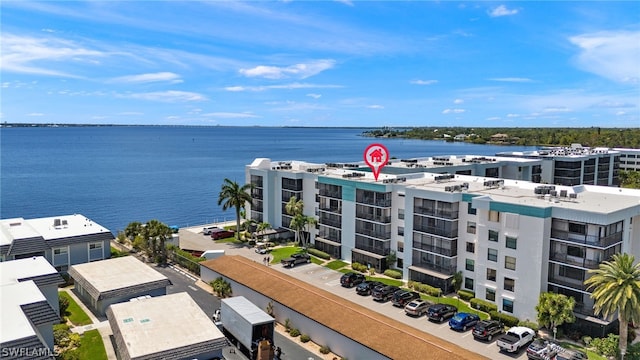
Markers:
point(116, 175)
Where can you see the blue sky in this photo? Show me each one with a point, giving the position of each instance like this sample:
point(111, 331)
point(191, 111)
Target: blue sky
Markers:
point(322, 63)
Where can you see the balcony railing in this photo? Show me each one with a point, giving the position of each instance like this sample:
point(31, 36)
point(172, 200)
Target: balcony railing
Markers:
point(436, 249)
point(592, 240)
point(374, 233)
point(374, 202)
point(331, 222)
point(372, 217)
point(447, 270)
point(329, 236)
point(374, 249)
point(572, 260)
point(453, 233)
point(447, 214)
point(570, 283)
point(330, 193)
point(331, 209)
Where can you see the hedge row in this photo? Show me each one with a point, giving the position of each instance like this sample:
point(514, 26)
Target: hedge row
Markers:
point(392, 273)
point(424, 288)
point(482, 305)
point(466, 295)
point(359, 267)
point(319, 253)
point(507, 320)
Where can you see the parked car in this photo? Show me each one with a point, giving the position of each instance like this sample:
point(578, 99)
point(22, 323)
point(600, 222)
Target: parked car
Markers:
point(439, 312)
point(515, 339)
point(351, 279)
point(209, 230)
point(384, 293)
point(566, 354)
point(365, 288)
point(416, 307)
point(262, 249)
point(487, 329)
point(541, 349)
point(217, 234)
point(463, 321)
point(298, 258)
point(403, 297)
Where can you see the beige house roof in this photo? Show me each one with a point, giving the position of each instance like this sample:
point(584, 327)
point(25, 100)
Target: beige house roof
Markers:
point(387, 336)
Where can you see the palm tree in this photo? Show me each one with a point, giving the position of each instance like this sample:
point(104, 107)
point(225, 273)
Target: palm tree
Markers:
point(616, 288)
point(156, 234)
point(262, 227)
point(235, 196)
point(295, 208)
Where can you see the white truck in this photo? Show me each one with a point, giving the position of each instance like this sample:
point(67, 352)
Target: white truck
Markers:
point(516, 338)
point(212, 254)
point(247, 326)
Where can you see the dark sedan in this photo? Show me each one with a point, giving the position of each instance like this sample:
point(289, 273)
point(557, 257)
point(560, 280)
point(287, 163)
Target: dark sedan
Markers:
point(463, 321)
point(439, 312)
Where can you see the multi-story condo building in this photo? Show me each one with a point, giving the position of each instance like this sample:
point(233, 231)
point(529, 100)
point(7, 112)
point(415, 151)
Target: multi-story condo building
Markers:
point(62, 240)
point(510, 238)
point(629, 159)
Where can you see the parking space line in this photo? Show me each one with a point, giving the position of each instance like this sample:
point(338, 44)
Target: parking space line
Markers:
point(490, 345)
point(467, 334)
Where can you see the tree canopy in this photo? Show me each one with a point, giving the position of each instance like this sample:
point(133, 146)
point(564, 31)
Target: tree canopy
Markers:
point(554, 310)
point(232, 195)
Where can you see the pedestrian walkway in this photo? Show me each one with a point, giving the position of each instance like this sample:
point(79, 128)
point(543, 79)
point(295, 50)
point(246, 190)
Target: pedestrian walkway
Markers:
point(102, 325)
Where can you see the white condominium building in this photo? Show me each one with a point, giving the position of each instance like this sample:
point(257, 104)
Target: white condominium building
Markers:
point(511, 238)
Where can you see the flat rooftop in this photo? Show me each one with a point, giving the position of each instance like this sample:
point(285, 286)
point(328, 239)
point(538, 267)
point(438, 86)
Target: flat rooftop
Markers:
point(15, 324)
point(147, 327)
point(18, 270)
point(48, 228)
point(116, 273)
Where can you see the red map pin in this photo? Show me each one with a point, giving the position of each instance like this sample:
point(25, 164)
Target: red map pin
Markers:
point(376, 156)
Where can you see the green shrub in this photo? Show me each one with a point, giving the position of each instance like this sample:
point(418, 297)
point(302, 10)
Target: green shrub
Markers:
point(304, 338)
point(586, 340)
point(466, 295)
point(287, 325)
point(530, 324)
point(424, 288)
point(506, 319)
point(319, 253)
point(359, 267)
point(324, 349)
point(393, 273)
point(294, 332)
point(606, 346)
point(483, 305)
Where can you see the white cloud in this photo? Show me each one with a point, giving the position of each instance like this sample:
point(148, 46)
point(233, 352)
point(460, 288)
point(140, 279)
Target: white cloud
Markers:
point(30, 55)
point(147, 78)
point(453, 111)
point(167, 96)
point(458, 101)
point(424, 82)
point(300, 71)
point(315, 96)
point(513, 115)
point(620, 113)
point(611, 54)
point(512, 79)
point(35, 114)
point(493, 118)
point(502, 11)
point(346, 2)
point(556, 109)
point(375, 106)
point(129, 113)
point(230, 115)
point(290, 86)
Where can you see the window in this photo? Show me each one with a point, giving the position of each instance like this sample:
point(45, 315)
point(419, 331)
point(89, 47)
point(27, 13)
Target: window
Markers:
point(492, 255)
point(469, 264)
point(468, 283)
point(493, 235)
point(400, 246)
point(507, 305)
point(509, 262)
point(494, 216)
point(470, 210)
point(60, 251)
point(577, 228)
point(509, 284)
point(401, 230)
point(491, 295)
point(511, 242)
point(399, 263)
point(471, 247)
point(571, 272)
point(400, 214)
point(491, 274)
point(575, 251)
point(93, 246)
point(471, 227)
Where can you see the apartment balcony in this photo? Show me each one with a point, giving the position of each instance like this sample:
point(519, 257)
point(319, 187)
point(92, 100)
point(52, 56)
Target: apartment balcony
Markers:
point(566, 282)
point(329, 236)
point(374, 201)
point(374, 249)
point(373, 233)
point(446, 270)
point(331, 209)
point(372, 217)
point(575, 261)
point(336, 194)
point(451, 233)
point(257, 207)
point(436, 249)
point(445, 214)
point(257, 194)
point(337, 223)
point(602, 242)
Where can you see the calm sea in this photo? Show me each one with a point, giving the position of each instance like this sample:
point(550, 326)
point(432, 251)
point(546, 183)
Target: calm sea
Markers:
point(116, 175)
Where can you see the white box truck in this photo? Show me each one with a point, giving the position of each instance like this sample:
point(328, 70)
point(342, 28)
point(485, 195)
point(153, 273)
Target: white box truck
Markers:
point(247, 326)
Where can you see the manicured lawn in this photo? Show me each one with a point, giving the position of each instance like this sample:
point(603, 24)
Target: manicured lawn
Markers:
point(316, 260)
point(74, 313)
point(283, 253)
point(91, 346)
point(336, 264)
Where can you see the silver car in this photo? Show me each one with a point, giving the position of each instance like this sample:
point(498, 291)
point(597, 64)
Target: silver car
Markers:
point(416, 308)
